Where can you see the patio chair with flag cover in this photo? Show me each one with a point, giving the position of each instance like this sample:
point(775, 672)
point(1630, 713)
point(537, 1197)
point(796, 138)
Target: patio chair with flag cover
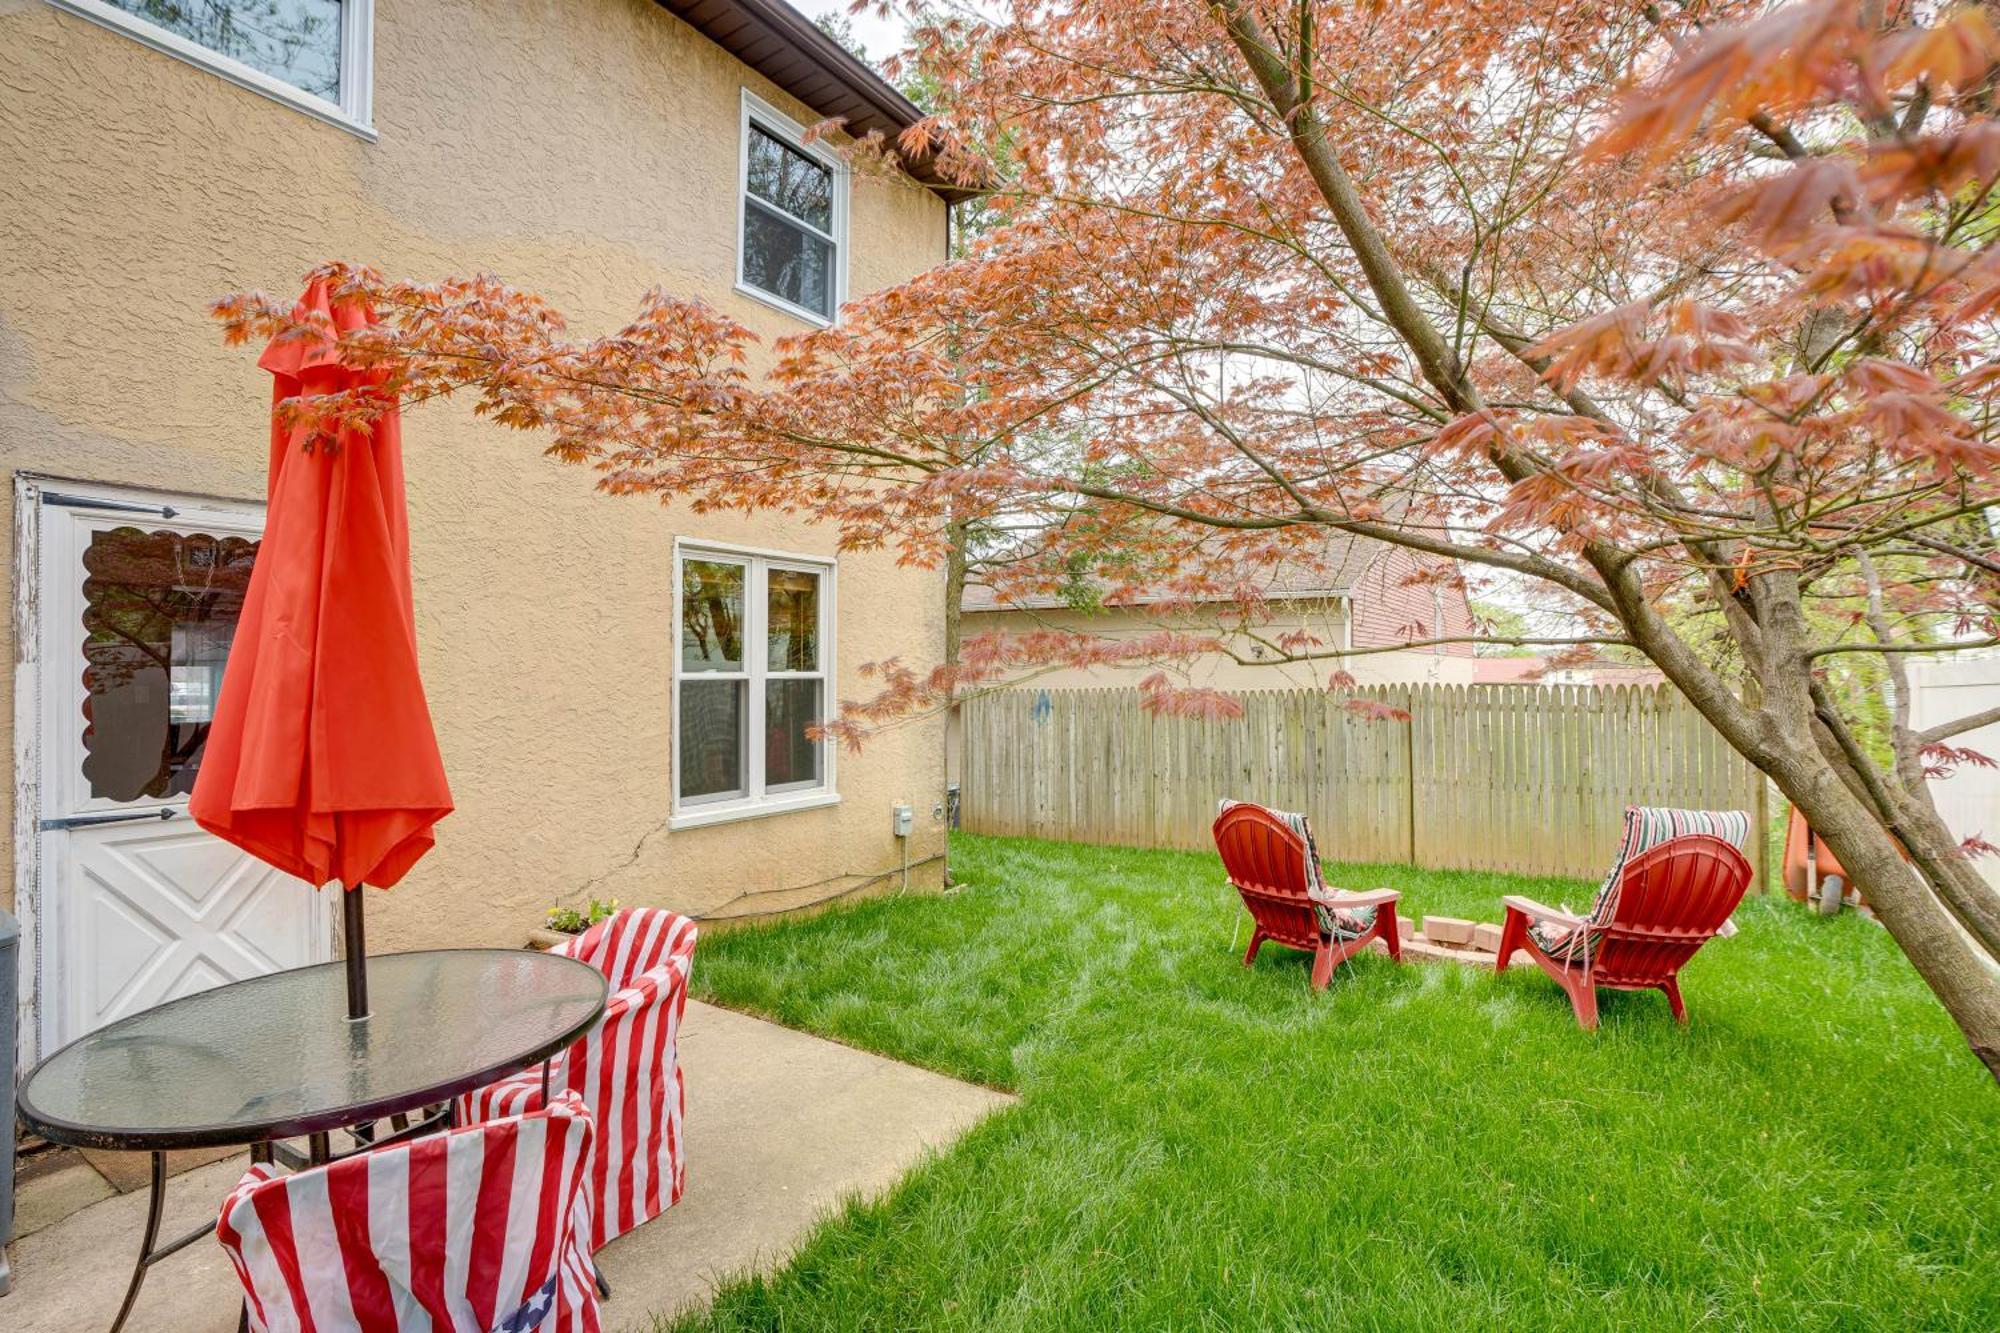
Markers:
point(1272, 864)
point(626, 1069)
point(1677, 877)
point(479, 1230)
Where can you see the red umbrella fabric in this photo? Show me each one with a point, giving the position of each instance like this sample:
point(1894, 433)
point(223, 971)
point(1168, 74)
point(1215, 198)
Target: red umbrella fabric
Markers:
point(321, 759)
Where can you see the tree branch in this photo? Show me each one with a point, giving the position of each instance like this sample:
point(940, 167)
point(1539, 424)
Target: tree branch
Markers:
point(1950, 646)
point(1946, 730)
point(1336, 654)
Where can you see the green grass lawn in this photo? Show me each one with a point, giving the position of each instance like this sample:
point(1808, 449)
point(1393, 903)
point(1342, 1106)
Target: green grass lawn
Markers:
point(1203, 1146)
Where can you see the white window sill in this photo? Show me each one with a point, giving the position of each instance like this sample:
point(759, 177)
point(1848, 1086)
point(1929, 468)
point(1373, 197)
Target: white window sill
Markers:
point(242, 75)
point(798, 312)
point(728, 812)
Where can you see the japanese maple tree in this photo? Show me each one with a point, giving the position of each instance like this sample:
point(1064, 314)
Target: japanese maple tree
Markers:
point(1683, 314)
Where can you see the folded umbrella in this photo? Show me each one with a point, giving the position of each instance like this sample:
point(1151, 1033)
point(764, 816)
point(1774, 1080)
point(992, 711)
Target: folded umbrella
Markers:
point(321, 759)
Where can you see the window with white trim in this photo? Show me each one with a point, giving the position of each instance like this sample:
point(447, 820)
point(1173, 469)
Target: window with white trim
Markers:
point(754, 637)
point(792, 206)
point(311, 54)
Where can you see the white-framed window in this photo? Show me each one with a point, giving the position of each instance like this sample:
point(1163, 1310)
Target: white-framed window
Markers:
point(791, 205)
point(315, 55)
point(753, 674)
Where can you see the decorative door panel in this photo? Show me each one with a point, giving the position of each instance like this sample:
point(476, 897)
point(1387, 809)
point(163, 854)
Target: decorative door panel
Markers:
point(157, 911)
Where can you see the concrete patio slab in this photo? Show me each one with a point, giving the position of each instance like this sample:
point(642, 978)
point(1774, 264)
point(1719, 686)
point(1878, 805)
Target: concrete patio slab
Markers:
point(782, 1127)
point(50, 1189)
point(129, 1172)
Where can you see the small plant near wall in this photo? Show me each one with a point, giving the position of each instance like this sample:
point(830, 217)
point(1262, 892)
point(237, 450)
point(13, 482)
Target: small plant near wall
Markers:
point(574, 921)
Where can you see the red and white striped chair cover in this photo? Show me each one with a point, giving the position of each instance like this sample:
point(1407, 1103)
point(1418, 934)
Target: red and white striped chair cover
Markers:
point(626, 1068)
point(481, 1230)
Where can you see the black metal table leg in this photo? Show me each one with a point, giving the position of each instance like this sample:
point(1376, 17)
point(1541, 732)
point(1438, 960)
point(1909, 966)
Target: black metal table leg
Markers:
point(156, 1207)
point(156, 1202)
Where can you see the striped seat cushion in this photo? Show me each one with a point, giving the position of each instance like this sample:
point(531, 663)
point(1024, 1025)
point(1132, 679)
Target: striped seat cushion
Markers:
point(481, 1230)
point(1346, 923)
point(1646, 827)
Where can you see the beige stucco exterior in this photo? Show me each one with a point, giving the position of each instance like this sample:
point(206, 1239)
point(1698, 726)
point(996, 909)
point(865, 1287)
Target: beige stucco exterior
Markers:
point(586, 149)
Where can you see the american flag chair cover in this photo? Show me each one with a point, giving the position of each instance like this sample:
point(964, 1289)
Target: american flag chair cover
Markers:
point(626, 1069)
point(480, 1230)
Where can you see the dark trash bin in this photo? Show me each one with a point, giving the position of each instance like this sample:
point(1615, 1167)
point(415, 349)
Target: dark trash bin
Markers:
point(10, 994)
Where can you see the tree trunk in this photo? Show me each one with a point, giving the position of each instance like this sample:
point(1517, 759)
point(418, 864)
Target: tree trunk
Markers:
point(1950, 962)
point(957, 537)
point(957, 540)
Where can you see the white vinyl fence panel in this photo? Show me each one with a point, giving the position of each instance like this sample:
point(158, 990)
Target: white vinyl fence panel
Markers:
point(1945, 688)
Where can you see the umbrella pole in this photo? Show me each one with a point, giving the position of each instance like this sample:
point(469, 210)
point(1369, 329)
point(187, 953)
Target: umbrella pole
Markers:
point(351, 908)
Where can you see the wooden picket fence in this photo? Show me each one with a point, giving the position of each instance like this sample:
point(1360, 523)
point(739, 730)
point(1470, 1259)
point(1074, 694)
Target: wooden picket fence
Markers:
point(1522, 778)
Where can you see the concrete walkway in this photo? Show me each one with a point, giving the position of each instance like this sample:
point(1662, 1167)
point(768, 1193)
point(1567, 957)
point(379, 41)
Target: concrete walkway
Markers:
point(781, 1128)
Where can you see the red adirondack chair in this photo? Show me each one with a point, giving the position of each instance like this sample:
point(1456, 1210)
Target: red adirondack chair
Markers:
point(1271, 862)
point(1667, 903)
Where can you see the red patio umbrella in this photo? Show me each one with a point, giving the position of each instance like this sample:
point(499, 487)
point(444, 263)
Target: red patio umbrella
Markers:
point(321, 759)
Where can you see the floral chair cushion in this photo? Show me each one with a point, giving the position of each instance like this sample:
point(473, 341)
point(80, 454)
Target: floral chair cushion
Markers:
point(1346, 923)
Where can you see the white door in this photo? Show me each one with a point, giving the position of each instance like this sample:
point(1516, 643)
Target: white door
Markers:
point(137, 601)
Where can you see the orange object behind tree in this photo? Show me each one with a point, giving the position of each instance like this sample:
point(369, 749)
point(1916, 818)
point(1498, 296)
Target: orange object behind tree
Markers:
point(322, 760)
point(1810, 863)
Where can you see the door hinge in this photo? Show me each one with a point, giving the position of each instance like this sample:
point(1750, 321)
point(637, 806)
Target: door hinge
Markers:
point(85, 821)
point(62, 501)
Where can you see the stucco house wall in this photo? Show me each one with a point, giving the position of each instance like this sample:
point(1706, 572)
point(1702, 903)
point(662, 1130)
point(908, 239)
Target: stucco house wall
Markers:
point(586, 149)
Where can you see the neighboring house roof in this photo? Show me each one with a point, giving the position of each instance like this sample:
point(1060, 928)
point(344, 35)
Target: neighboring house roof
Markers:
point(783, 45)
point(1536, 670)
point(1344, 559)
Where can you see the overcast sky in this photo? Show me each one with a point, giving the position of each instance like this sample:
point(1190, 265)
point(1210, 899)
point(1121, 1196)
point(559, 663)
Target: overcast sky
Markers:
point(882, 37)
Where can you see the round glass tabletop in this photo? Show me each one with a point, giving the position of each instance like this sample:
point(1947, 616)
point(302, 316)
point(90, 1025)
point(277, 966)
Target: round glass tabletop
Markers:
point(276, 1056)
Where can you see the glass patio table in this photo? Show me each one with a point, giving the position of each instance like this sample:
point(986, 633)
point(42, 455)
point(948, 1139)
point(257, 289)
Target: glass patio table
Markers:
point(276, 1057)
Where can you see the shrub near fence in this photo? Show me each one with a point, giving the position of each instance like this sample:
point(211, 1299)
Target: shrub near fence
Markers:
point(1523, 778)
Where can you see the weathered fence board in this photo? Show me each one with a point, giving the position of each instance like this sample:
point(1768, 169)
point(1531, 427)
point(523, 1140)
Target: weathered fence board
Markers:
point(1530, 779)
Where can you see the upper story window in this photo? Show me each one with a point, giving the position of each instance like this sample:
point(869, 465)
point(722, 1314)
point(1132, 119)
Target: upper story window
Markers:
point(311, 54)
point(791, 249)
point(754, 634)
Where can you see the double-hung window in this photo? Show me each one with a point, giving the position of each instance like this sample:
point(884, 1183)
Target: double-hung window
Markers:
point(754, 634)
point(791, 249)
point(311, 54)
